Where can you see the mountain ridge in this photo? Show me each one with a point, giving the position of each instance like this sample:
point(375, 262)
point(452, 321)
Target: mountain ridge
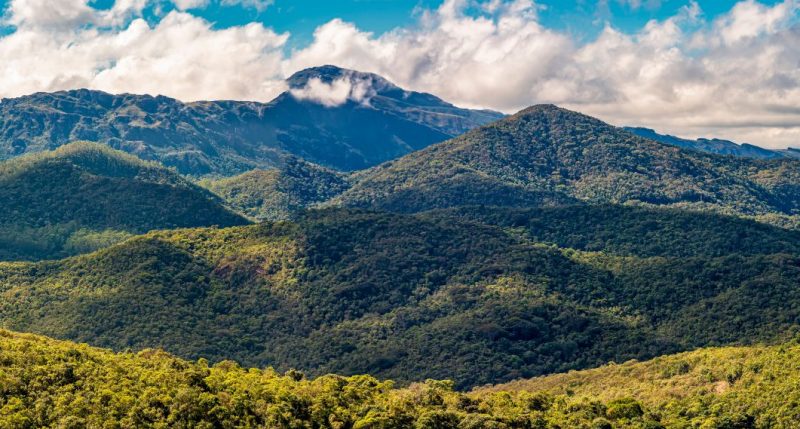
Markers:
point(546, 155)
point(713, 145)
point(230, 137)
point(279, 193)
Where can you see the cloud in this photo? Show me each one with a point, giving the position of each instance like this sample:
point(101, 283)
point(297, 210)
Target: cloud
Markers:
point(680, 75)
point(737, 77)
point(477, 61)
point(69, 14)
point(336, 93)
point(750, 19)
point(259, 5)
point(181, 56)
point(190, 4)
point(44, 13)
point(637, 4)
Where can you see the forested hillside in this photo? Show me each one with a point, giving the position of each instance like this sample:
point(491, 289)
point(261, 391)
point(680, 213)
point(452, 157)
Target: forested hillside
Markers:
point(426, 296)
point(636, 231)
point(84, 196)
point(54, 384)
point(225, 138)
point(545, 155)
point(279, 193)
point(743, 387)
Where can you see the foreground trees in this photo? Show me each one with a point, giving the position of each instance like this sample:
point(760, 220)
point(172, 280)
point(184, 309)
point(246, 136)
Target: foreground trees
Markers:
point(49, 383)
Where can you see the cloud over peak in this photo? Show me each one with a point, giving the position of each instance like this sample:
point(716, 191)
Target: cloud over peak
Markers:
point(736, 77)
point(335, 93)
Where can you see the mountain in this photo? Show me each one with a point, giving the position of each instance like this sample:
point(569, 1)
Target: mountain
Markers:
point(717, 146)
point(791, 152)
point(49, 383)
point(83, 196)
point(371, 90)
point(546, 155)
point(279, 193)
point(477, 296)
point(228, 137)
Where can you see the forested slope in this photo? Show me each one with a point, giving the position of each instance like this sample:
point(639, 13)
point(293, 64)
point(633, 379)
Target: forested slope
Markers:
point(734, 387)
point(55, 384)
point(545, 155)
point(84, 196)
point(279, 193)
point(424, 296)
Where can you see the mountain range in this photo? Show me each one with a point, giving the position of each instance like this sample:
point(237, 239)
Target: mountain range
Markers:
point(355, 228)
point(546, 155)
point(541, 156)
point(717, 146)
point(227, 137)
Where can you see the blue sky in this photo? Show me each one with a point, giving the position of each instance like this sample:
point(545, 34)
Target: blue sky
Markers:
point(584, 19)
point(728, 69)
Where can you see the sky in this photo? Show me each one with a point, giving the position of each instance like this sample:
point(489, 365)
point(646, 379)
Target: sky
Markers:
point(727, 69)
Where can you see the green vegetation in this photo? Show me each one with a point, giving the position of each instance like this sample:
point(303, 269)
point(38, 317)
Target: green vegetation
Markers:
point(85, 196)
point(225, 138)
point(436, 295)
point(545, 155)
point(741, 387)
point(543, 243)
point(279, 193)
point(637, 231)
point(53, 384)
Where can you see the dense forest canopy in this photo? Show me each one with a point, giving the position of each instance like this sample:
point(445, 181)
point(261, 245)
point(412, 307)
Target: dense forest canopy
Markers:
point(85, 196)
point(54, 384)
point(279, 193)
point(476, 296)
point(545, 155)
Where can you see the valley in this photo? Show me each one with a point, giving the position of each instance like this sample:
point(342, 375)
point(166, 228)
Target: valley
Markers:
point(387, 260)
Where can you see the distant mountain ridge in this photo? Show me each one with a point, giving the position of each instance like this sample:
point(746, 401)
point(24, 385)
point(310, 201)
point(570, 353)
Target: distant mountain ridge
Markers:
point(229, 137)
point(546, 155)
point(714, 145)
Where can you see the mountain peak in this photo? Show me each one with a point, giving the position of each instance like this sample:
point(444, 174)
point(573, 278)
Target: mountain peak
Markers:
point(339, 118)
point(549, 155)
point(328, 74)
point(538, 109)
point(552, 114)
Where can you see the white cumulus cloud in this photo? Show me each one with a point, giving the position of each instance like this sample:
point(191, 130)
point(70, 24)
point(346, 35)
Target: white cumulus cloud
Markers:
point(736, 77)
point(180, 56)
point(259, 5)
point(336, 93)
point(190, 4)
